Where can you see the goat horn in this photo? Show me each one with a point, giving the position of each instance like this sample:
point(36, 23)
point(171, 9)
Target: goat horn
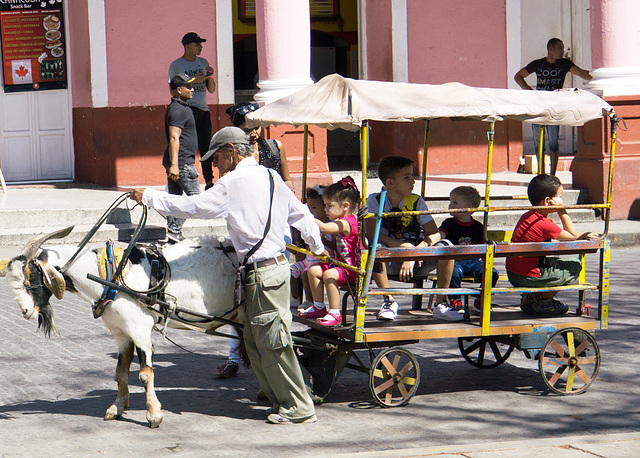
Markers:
point(35, 243)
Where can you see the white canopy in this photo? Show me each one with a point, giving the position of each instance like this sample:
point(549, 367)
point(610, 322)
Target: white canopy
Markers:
point(335, 102)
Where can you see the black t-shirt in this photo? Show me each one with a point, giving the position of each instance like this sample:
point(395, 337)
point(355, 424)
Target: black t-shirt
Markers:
point(179, 114)
point(550, 76)
point(459, 233)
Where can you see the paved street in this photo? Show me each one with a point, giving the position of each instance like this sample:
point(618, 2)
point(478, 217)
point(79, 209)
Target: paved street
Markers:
point(53, 394)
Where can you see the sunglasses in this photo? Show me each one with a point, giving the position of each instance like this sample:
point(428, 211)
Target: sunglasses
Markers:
point(244, 109)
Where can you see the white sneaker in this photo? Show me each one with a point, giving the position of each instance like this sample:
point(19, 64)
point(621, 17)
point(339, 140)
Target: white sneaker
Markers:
point(388, 311)
point(444, 311)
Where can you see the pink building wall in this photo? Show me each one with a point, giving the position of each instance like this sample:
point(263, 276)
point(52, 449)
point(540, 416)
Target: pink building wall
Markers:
point(143, 38)
point(457, 40)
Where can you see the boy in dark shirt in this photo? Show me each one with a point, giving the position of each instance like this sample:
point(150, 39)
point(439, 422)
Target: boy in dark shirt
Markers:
point(462, 229)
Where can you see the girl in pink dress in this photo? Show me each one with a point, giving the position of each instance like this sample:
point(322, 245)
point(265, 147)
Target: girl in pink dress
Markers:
point(341, 202)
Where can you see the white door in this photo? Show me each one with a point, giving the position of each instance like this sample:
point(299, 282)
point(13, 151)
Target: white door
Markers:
point(537, 22)
point(35, 136)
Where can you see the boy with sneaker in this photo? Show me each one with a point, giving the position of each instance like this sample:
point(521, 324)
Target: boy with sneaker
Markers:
point(462, 229)
point(396, 174)
point(539, 272)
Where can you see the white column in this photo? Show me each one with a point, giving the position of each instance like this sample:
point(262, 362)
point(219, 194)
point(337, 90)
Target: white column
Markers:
point(615, 47)
point(283, 33)
point(98, 49)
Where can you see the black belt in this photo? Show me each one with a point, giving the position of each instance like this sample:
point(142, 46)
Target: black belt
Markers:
point(265, 263)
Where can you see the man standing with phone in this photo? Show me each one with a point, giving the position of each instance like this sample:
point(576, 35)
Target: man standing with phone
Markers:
point(198, 68)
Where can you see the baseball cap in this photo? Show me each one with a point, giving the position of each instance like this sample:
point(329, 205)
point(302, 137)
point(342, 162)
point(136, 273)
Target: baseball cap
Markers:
point(224, 136)
point(181, 79)
point(192, 37)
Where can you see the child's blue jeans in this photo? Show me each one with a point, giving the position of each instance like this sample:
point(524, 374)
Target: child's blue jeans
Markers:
point(468, 268)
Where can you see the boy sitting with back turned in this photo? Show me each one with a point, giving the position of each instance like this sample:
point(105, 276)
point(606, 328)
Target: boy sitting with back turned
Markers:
point(539, 272)
point(462, 229)
point(396, 174)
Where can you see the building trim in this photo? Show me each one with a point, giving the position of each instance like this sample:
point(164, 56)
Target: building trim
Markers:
point(399, 41)
point(514, 41)
point(362, 39)
point(98, 46)
point(224, 43)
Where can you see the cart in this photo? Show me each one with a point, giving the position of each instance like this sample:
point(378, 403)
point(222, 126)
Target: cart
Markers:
point(564, 347)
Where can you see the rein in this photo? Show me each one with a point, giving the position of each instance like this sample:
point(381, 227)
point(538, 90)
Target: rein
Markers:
point(100, 222)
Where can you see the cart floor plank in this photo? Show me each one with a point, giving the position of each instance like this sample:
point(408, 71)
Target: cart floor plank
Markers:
point(420, 324)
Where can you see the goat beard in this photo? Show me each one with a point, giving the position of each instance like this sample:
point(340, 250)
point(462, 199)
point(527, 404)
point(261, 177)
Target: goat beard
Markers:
point(45, 320)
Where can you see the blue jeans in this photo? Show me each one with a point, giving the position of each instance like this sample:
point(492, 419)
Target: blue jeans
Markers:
point(187, 183)
point(468, 268)
point(550, 134)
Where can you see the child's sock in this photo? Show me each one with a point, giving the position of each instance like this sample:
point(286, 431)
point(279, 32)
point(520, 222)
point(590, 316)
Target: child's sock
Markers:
point(334, 312)
point(318, 305)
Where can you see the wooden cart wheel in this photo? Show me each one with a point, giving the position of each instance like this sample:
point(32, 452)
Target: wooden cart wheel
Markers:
point(569, 361)
point(474, 350)
point(394, 377)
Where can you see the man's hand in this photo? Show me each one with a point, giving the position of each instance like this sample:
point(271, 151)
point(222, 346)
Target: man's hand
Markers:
point(136, 194)
point(174, 172)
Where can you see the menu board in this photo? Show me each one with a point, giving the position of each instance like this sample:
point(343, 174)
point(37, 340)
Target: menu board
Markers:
point(33, 45)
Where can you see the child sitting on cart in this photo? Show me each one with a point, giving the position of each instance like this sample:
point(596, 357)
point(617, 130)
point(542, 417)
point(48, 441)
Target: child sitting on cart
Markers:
point(543, 271)
point(341, 201)
point(462, 229)
point(300, 267)
point(396, 174)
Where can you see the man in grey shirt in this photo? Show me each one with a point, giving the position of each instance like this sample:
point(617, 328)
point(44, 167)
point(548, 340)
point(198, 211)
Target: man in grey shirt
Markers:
point(198, 67)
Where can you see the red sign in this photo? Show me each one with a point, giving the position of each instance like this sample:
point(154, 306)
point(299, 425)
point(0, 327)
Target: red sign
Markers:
point(33, 48)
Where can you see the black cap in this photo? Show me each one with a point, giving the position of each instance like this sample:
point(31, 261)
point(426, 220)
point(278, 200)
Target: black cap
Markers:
point(181, 79)
point(192, 37)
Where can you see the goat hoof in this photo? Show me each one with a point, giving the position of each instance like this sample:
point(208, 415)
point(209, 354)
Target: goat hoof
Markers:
point(112, 413)
point(154, 422)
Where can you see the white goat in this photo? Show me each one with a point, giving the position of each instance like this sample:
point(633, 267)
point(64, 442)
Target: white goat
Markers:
point(202, 280)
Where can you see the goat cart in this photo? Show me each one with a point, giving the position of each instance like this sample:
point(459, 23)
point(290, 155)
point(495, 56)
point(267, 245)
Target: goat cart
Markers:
point(565, 348)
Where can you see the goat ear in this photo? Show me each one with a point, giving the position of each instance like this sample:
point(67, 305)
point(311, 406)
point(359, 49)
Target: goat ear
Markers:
point(53, 280)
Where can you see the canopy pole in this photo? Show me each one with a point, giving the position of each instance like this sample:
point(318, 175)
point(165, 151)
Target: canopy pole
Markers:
point(540, 151)
point(614, 136)
point(305, 156)
point(424, 157)
point(364, 153)
point(487, 193)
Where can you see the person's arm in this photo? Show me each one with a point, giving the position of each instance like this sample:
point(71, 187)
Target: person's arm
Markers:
point(284, 166)
point(519, 78)
point(340, 226)
point(174, 147)
point(431, 233)
point(568, 232)
point(210, 83)
point(584, 74)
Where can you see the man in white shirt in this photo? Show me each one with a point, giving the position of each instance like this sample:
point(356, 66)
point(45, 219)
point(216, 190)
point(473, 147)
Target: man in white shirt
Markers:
point(242, 196)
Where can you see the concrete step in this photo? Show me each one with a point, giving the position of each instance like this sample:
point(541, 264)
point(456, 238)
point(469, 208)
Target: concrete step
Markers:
point(569, 197)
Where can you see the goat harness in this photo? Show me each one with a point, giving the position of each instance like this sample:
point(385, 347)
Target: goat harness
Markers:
point(109, 258)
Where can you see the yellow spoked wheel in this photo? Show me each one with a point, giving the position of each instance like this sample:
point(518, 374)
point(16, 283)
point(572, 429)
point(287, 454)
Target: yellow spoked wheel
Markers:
point(569, 361)
point(394, 377)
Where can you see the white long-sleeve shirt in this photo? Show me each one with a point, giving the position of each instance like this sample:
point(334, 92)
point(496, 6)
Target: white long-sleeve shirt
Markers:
point(242, 198)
